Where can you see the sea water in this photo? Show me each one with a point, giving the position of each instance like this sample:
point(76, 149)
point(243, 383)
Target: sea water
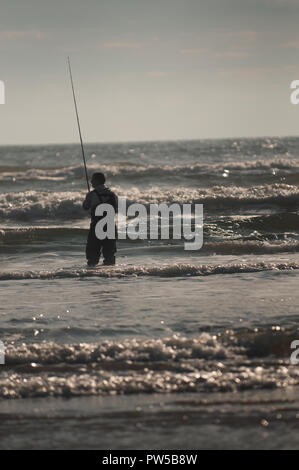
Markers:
point(169, 348)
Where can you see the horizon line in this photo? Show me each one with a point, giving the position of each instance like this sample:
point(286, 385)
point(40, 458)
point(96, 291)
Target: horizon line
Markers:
point(40, 144)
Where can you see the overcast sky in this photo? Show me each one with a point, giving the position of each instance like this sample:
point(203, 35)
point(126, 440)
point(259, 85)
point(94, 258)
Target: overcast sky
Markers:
point(148, 69)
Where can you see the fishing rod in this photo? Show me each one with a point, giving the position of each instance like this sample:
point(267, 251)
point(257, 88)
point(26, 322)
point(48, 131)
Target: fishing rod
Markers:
point(78, 122)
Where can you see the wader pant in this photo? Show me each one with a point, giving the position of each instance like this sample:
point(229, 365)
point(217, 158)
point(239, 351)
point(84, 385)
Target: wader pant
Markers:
point(96, 247)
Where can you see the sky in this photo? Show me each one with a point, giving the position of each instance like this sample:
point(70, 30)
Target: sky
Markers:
point(148, 69)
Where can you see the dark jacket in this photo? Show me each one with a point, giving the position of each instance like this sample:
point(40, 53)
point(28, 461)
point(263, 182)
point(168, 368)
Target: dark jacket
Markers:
point(100, 195)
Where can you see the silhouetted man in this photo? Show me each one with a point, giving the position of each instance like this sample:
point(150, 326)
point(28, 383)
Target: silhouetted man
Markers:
point(94, 247)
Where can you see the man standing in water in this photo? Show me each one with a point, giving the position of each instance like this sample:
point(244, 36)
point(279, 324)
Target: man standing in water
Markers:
point(94, 247)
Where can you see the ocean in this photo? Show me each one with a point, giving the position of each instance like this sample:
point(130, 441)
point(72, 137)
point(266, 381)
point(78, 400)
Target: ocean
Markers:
point(169, 349)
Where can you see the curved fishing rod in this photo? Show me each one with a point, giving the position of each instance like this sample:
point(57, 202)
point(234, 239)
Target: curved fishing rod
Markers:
point(78, 122)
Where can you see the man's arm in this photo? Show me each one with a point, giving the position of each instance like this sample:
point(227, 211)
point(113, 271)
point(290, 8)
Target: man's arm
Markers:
point(115, 202)
point(87, 202)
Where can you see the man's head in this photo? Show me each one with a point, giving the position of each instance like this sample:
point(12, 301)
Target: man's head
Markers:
point(97, 179)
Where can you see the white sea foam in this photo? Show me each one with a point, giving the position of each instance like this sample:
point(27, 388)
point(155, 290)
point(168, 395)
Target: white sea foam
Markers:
point(285, 166)
point(170, 270)
point(30, 205)
point(177, 364)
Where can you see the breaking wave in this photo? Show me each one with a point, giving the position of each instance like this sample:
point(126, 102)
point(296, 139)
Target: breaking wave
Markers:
point(126, 170)
point(35, 205)
point(234, 360)
point(257, 243)
point(171, 270)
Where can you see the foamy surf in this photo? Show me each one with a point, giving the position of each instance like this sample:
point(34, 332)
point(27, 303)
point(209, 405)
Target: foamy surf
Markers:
point(207, 363)
point(123, 170)
point(171, 271)
point(35, 205)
